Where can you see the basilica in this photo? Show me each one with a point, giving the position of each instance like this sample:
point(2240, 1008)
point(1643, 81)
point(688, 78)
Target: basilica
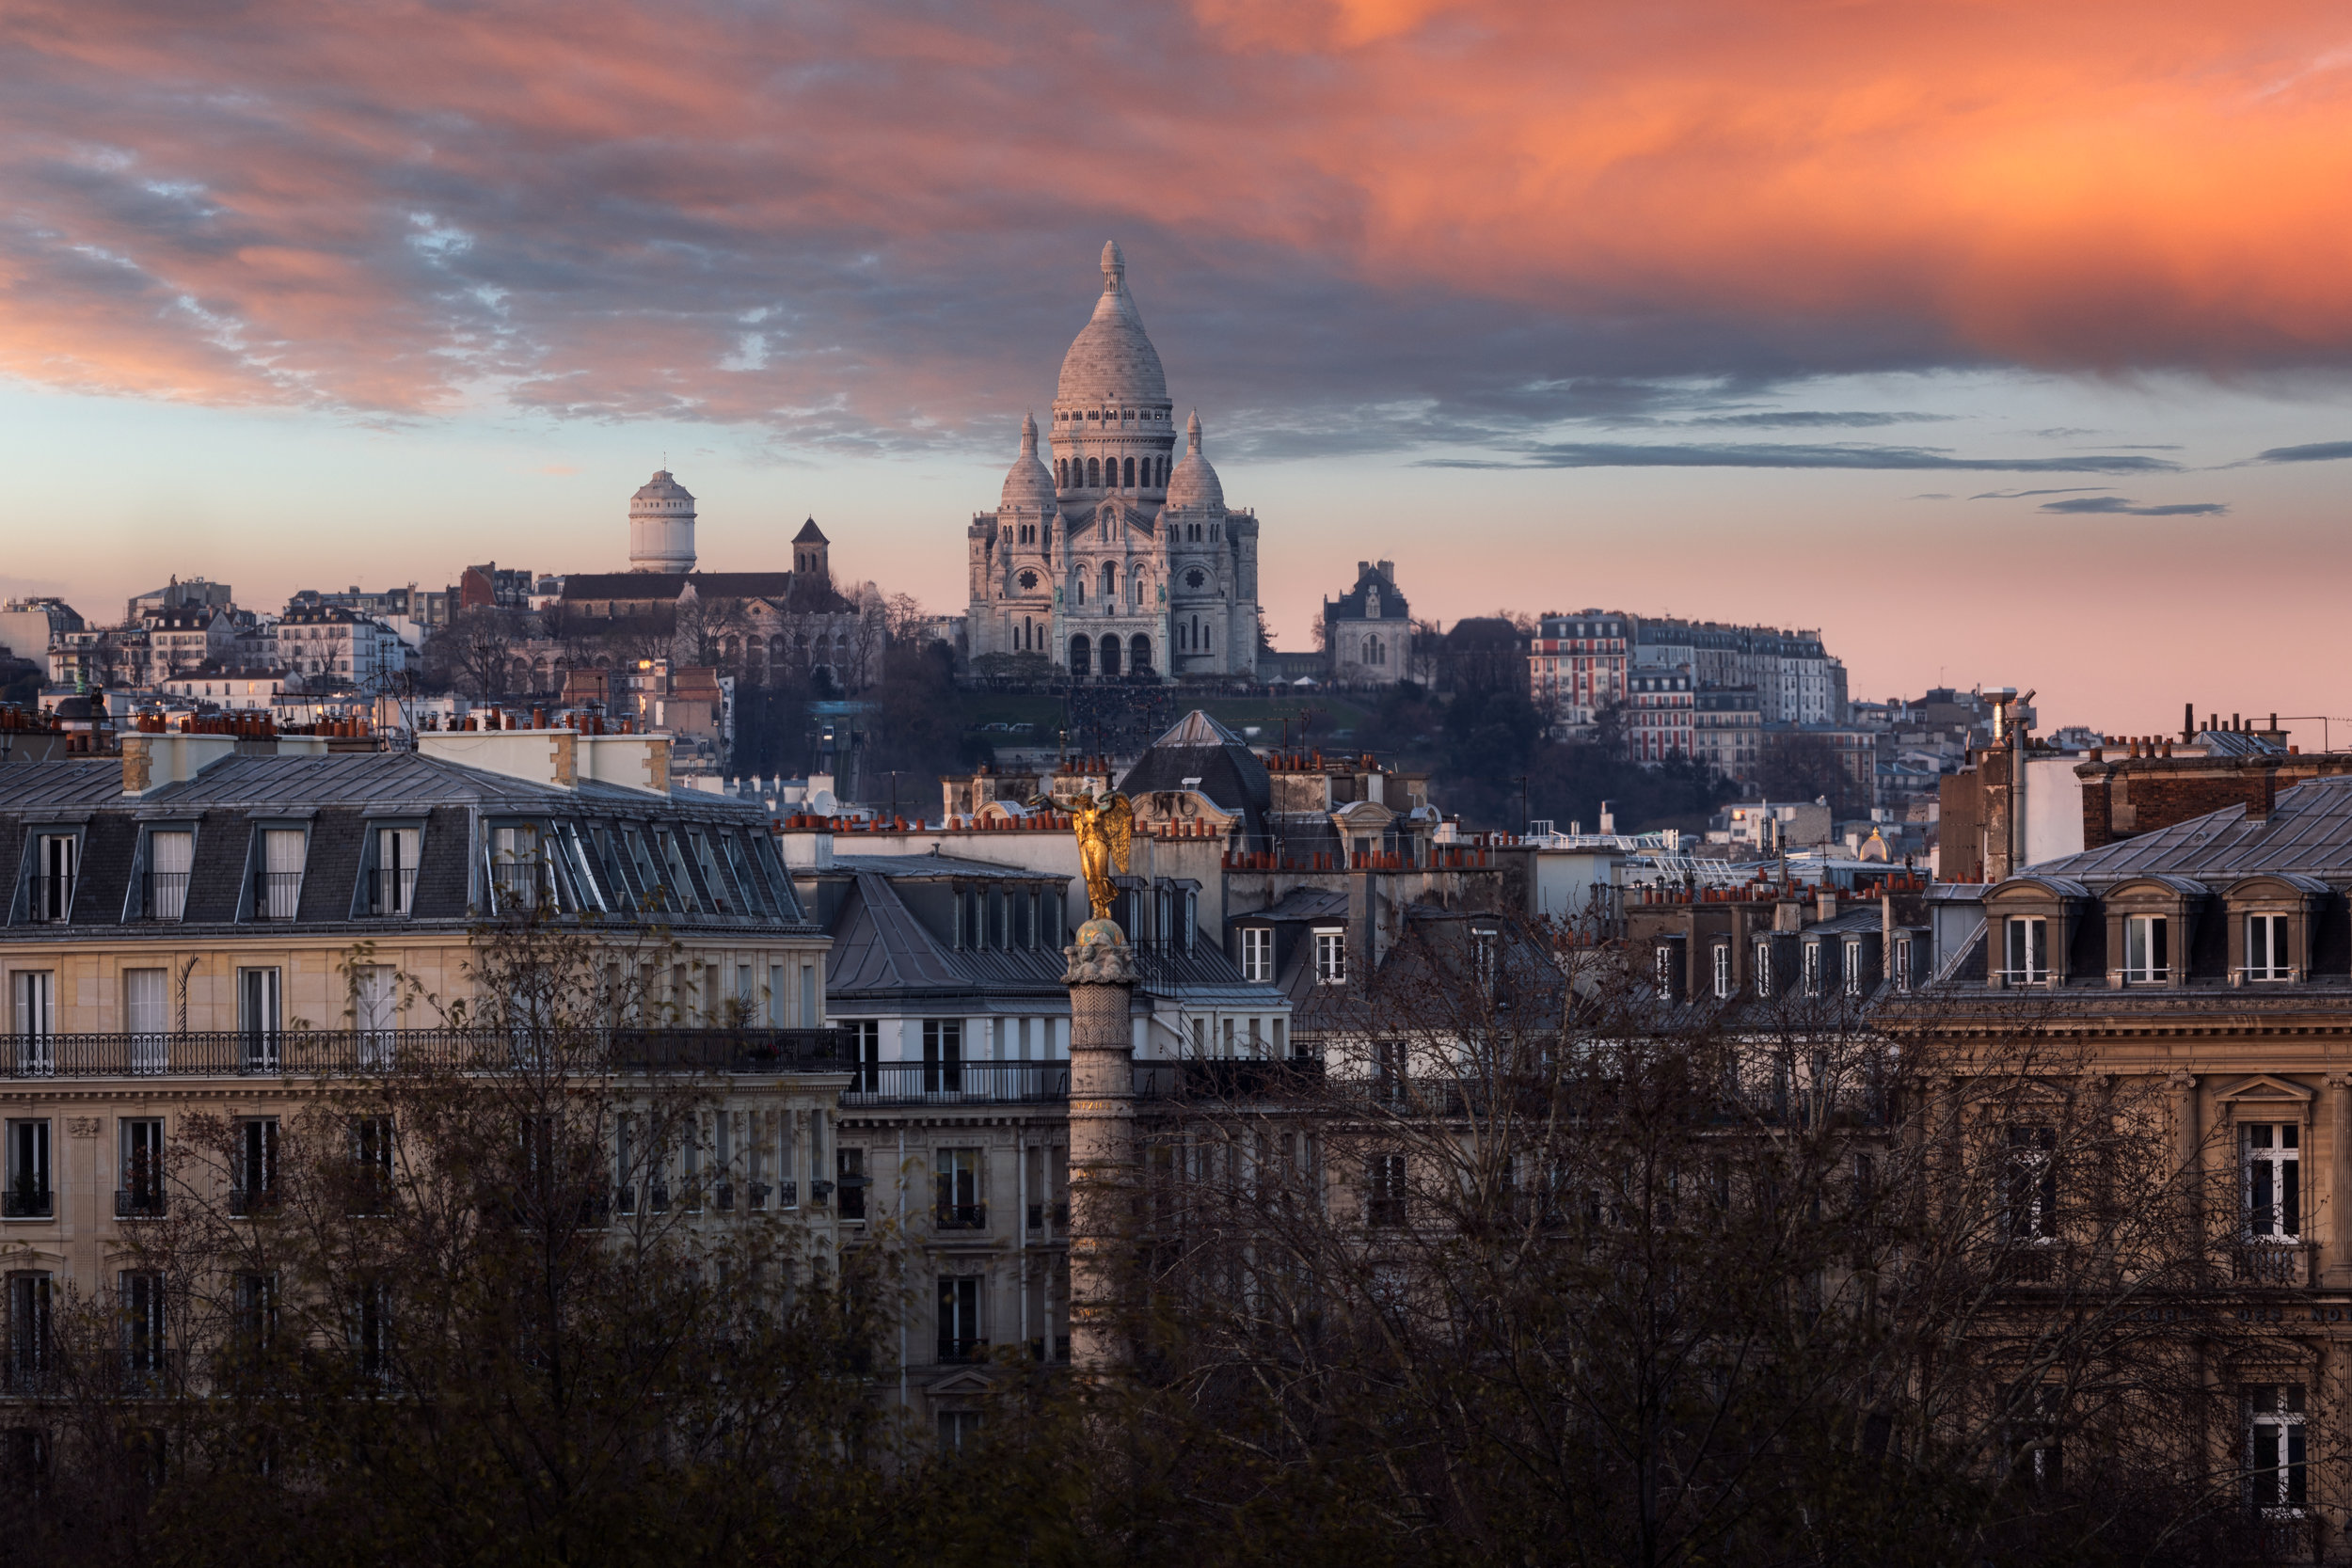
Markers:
point(1123, 558)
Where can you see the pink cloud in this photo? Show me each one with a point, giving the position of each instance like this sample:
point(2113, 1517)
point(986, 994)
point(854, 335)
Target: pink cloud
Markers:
point(845, 221)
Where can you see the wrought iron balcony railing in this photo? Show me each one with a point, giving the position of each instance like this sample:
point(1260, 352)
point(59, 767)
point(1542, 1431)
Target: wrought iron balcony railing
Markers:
point(331, 1053)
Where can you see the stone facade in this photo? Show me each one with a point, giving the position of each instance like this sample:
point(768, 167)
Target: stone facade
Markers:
point(1368, 632)
point(1121, 559)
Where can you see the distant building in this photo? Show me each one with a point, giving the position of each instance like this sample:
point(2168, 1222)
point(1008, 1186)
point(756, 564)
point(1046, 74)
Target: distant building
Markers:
point(1727, 731)
point(29, 626)
point(1368, 630)
point(1122, 557)
point(1576, 666)
point(490, 586)
point(1795, 679)
point(333, 647)
point(1659, 713)
point(185, 638)
point(197, 592)
point(425, 607)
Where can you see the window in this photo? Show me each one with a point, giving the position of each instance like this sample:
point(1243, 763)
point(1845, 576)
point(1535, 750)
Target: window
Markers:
point(1330, 958)
point(958, 1429)
point(394, 891)
point(1384, 1184)
point(2274, 1447)
point(850, 1174)
point(371, 1329)
point(2266, 947)
point(1902, 964)
point(278, 884)
point(2147, 949)
point(943, 1055)
point(2274, 1194)
point(28, 1196)
point(1662, 972)
point(2028, 950)
point(1813, 969)
point(515, 868)
point(959, 1196)
point(1723, 968)
point(258, 1018)
point(868, 1045)
point(1763, 974)
point(1853, 967)
point(256, 1311)
point(2033, 1425)
point(254, 1173)
point(2029, 1199)
point(139, 1296)
point(56, 859)
point(960, 1318)
point(1484, 951)
point(33, 996)
point(145, 1017)
point(170, 854)
point(141, 1195)
point(1257, 953)
point(32, 1350)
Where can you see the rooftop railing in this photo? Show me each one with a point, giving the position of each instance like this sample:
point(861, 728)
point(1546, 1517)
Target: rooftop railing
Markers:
point(328, 1053)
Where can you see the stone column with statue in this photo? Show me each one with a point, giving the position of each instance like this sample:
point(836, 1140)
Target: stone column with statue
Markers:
point(1103, 1170)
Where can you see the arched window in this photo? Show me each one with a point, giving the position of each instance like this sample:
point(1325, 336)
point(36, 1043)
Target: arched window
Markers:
point(1131, 473)
point(1080, 663)
point(1078, 587)
point(1139, 653)
point(1094, 474)
point(1111, 580)
point(1061, 472)
point(1138, 584)
point(1110, 656)
point(1371, 650)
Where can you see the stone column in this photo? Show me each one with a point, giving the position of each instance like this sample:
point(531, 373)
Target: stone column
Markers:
point(2188, 1157)
point(2337, 1261)
point(1101, 981)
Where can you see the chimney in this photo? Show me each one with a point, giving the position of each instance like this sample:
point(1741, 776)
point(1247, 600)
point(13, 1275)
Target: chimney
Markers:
point(1825, 905)
point(2188, 723)
point(2261, 794)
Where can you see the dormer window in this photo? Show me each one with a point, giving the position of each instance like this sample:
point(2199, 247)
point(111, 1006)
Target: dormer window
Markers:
point(2147, 950)
point(1763, 973)
point(2028, 950)
point(2267, 948)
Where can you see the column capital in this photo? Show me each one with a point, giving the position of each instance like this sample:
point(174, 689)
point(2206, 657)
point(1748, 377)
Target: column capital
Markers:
point(2339, 1080)
point(2181, 1079)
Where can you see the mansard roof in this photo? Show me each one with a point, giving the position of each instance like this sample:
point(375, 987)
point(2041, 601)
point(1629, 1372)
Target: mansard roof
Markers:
point(2307, 831)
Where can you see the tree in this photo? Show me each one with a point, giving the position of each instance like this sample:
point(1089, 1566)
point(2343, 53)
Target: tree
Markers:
point(1799, 766)
point(472, 652)
point(1531, 1267)
point(473, 1314)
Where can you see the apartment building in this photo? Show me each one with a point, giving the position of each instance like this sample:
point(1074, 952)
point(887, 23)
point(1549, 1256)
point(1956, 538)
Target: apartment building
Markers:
point(246, 929)
point(1660, 714)
point(331, 646)
point(1576, 666)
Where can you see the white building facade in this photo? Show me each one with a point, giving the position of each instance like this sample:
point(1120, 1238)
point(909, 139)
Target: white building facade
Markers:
point(1123, 559)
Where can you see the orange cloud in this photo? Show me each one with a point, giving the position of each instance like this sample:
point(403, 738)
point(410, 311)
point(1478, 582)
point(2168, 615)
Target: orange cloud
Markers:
point(593, 205)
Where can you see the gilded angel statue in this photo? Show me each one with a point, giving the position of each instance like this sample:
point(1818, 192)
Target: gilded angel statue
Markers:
point(1106, 829)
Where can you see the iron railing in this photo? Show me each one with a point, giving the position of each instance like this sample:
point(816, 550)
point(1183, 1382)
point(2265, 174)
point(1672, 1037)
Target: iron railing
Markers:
point(164, 895)
point(962, 1216)
point(316, 1053)
point(24, 1201)
point(393, 892)
point(956, 1083)
point(277, 895)
point(52, 899)
point(140, 1203)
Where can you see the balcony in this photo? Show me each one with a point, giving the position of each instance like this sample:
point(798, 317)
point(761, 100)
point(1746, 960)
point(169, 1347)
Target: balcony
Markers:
point(22, 1200)
point(392, 893)
point(2271, 1263)
point(164, 896)
point(50, 900)
point(331, 1053)
point(957, 1352)
point(277, 895)
point(962, 1216)
point(140, 1203)
point(246, 1203)
point(957, 1084)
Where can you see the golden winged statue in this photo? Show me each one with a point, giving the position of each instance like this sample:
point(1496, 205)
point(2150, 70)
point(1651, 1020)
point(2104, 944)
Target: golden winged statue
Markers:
point(1105, 829)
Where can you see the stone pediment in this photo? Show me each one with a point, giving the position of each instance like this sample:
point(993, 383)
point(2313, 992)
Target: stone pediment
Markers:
point(968, 1382)
point(2262, 1086)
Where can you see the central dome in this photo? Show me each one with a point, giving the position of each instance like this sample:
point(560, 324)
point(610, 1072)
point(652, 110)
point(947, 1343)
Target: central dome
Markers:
point(1112, 361)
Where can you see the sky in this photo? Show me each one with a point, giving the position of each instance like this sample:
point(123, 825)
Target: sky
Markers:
point(2003, 343)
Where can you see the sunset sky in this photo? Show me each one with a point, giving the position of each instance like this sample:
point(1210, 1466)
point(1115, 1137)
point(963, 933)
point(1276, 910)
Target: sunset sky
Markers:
point(2005, 343)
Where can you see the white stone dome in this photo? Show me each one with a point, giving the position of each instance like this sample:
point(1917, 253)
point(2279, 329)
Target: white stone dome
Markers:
point(1111, 361)
point(1194, 485)
point(1029, 484)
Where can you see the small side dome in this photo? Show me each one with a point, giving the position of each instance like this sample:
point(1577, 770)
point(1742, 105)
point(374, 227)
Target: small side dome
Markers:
point(1030, 484)
point(1194, 486)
